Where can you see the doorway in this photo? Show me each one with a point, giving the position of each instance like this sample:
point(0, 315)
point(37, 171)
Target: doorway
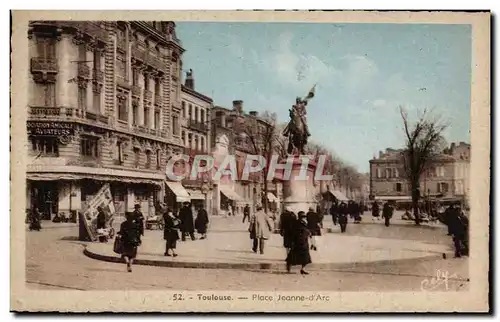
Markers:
point(45, 197)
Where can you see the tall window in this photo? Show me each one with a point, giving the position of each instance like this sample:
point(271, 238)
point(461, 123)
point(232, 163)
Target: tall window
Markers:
point(137, 157)
point(119, 151)
point(183, 137)
point(46, 47)
point(120, 65)
point(196, 147)
point(190, 140)
point(146, 116)
point(190, 111)
point(146, 82)
point(148, 159)
point(45, 145)
point(135, 77)
point(202, 116)
point(157, 86)
point(399, 187)
point(158, 159)
point(135, 114)
point(82, 54)
point(89, 147)
point(202, 140)
point(183, 109)
point(122, 108)
point(175, 125)
point(44, 95)
point(82, 97)
point(96, 101)
point(97, 60)
point(157, 120)
point(196, 113)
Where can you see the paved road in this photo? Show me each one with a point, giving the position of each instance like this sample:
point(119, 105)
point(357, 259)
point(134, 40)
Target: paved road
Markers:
point(55, 261)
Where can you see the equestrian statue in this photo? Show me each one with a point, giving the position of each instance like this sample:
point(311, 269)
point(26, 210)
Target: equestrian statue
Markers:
point(297, 130)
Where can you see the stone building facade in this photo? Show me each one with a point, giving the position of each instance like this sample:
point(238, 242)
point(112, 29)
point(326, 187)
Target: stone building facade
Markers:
point(195, 136)
point(237, 133)
point(104, 107)
point(446, 177)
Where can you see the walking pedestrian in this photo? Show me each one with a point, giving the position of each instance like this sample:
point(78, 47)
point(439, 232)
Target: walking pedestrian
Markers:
point(288, 221)
point(334, 212)
point(299, 252)
point(260, 229)
point(187, 221)
point(387, 213)
point(343, 217)
point(130, 236)
point(139, 218)
point(201, 222)
point(459, 226)
point(170, 232)
point(448, 213)
point(101, 225)
point(375, 210)
point(314, 227)
point(246, 213)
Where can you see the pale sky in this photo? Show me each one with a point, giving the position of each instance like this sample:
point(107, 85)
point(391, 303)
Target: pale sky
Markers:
point(364, 72)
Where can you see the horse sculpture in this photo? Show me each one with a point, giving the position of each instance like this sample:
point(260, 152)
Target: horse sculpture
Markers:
point(297, 136)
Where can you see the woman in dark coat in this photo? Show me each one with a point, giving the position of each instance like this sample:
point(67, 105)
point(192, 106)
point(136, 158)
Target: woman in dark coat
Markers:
point(130, 235)
point(287, 228)
point(343, 215)
point(299, 253)
point(375, 210)
point(187, 222)
point(201, 222)
point(314, 226)
point(170, 232)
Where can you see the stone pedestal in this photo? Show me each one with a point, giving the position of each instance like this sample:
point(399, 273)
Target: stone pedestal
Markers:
point(299, 192)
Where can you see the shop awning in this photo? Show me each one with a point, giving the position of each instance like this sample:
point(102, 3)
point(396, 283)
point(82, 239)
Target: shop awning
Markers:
point(271, 197)
point(179, 191)
point(77, 176)
point(230, 194)
point(395, 198)
point(196, 194)
point(339, 195)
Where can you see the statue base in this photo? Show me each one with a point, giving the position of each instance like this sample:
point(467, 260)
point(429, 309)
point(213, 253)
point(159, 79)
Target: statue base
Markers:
point(299, 192)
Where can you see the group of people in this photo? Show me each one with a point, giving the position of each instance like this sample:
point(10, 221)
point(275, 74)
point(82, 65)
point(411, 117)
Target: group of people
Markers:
point(183, 222)
point(341, 211)
point(458, 228)
point(297, 231)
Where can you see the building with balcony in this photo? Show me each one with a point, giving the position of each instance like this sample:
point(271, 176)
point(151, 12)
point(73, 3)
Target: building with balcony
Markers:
point(195, 136)
point(104, 107)
point(237, 133)
point(447, 176)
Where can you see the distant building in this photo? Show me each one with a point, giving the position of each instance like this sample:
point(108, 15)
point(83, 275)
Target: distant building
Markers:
point(447, 176)
point(195, 136)
point(226, 140)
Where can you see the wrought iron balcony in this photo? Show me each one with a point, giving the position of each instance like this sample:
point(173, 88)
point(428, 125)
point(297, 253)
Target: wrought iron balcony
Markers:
point(45, 111)
point(136, 91)
point(199, 126)
point(148, 95)
point(158, 100)
point(44, 69)
point(83, 71)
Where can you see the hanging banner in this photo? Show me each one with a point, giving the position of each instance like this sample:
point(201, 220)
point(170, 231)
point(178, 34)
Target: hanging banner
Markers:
point(103, 199)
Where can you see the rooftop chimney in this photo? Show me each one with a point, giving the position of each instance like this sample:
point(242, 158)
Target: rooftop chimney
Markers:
point(189, 83)
point(254, 113)
point(238, 106)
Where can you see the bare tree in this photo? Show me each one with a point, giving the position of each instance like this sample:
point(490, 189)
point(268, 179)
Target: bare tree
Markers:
point(424, 141)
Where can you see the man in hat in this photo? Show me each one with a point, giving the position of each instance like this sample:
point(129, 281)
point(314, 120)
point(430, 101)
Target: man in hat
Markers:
point(138, 218)
point(287, 227)
point(187, 221)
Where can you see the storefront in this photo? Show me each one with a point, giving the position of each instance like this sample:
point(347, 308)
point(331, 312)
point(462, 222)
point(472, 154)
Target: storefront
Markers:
point(175, 195)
